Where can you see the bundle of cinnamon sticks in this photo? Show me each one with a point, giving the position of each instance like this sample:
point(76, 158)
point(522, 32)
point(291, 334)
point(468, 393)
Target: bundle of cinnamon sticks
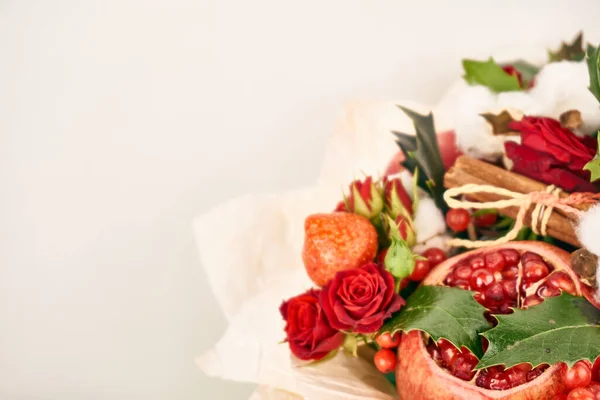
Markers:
point(468, 170)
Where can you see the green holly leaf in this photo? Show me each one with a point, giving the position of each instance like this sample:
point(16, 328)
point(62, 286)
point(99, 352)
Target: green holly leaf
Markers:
point(593, 64)
point(564, 328)
point(489, 74)
point(594, 164)
point(421, 152)
point(569, 51)
point(442, 312)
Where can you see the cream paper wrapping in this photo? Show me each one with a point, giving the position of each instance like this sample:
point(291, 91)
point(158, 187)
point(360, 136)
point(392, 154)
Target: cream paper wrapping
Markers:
point(253, 268)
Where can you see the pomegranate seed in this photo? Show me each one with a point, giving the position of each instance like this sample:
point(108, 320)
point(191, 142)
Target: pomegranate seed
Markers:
point(511, 257)
point(523, 367)
point(435, 256)
point(562, 281)
point(537, 371)
point(529, 256)
point(510, 272)
point(581, 394)
point(596, 370)
point(463, 365)
point(495, 293)
point(481, 279)
point(560, 396)
point(484, 344)
point(463, 272)
point(453, 281)
point(434, 352)
point(498, 381)
point(494, 261)
point(464, 285)
point(580, 375)
point(480, 298)
point(594, 387)
point(477, 262)
point(516, 376)
point(532, 300)
point(483, 380)
point(448, 351)
point(534, 270)
point(510, 288)
point(546, 291)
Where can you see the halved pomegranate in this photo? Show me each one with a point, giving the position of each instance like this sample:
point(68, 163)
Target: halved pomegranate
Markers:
point(517, 274)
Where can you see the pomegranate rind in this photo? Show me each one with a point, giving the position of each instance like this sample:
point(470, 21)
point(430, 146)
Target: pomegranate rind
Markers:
point(418, 377)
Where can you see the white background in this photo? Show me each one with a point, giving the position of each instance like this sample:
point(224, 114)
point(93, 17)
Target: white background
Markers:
point(121, 120)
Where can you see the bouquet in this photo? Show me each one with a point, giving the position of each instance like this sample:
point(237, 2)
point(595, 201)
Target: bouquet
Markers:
point(467, 270)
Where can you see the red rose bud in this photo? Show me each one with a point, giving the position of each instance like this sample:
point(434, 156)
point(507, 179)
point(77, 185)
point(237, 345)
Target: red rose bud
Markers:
point(360, 299)
point(397, 201)
point(365, 198)
point(552, 154)
point(308, 332)
point(341, 206)
point(406, 230)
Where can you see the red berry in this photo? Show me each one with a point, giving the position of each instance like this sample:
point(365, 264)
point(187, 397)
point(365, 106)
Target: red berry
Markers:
point(420, 271)
point(580, 375)
point(435, 256)
point(458, 219)
point(485, 220)
point(387, 341)
point(581, 394)
point(385, 360)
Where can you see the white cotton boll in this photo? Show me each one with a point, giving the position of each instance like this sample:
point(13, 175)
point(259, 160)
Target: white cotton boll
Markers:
point(563, 86)
point(588, 230)
point(473, 134)
point(439, 241)
point(517, 100)
point(429, 220)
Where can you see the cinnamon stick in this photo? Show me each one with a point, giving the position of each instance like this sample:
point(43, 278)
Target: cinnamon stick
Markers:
point(468, 170)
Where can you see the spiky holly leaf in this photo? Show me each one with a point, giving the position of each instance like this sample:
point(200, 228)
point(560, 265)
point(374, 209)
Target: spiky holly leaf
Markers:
point(594, 165)
point(593, 64)
point(490, 74)
point(568, 51)
point(564, 328)
point(421, 152)
point(442, 312)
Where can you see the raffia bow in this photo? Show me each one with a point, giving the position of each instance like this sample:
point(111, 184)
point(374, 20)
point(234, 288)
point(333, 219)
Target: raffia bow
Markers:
point(545, 203)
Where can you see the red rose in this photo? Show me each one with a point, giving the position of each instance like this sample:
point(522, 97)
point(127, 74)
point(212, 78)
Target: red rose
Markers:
point(308, 332)
point(552, 154)
point(360, 299)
